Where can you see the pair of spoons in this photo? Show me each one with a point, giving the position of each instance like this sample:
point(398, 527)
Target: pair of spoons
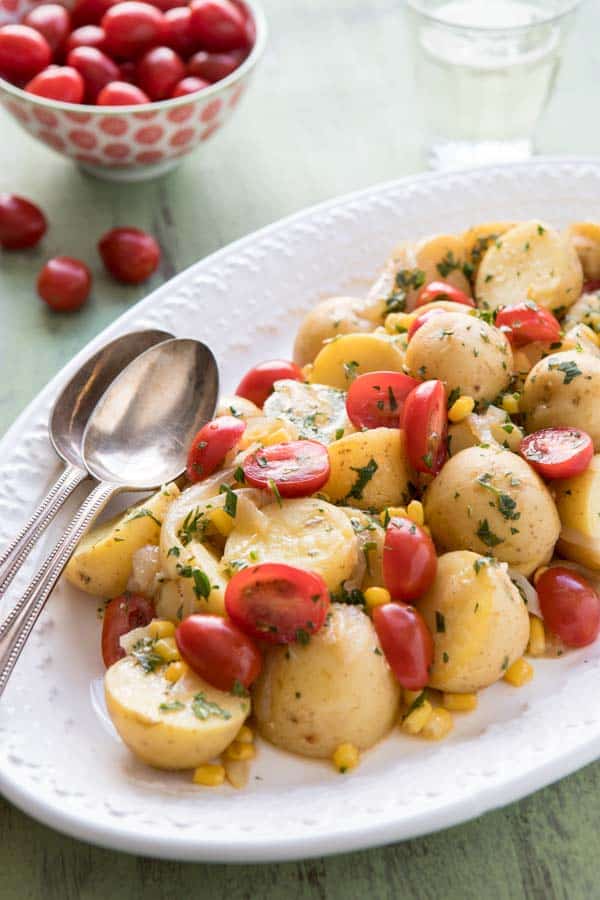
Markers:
point(126, 419)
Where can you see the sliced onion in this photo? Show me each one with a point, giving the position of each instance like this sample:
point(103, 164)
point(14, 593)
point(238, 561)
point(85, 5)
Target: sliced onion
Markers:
point(145, 566)
point(527, 591)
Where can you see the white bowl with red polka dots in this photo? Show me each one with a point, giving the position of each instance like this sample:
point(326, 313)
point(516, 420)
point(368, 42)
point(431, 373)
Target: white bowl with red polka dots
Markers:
point(129, 143)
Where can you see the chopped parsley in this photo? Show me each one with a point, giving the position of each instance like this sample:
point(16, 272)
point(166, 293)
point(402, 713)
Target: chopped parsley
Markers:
point(230, 505)
point(239, 475)
point(486, 535)
point(448, 264)
point(406, 279)
point(171, 706)
point(569, 369)
point(192, 524)
point(350, 370)
point(353, 597)
point(144, 512)
point(417, 702)
point(302, 636)
point(339, 433)
point(505, 503)
point(453, 397)
point(144, 653)
point(440, 622)
point(364, 475)
point(504, 665)
point(204, 709)
point(202, 585)
point(480, 564)
point(238, 689)
point(174, 551)
point(275, 492)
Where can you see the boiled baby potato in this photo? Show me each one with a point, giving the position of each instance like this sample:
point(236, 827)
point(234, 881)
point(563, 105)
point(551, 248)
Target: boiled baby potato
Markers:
point(338, 688)
point(102, 562)
point(369, 469)
point(314, 411)
point(586, 310)
point(578, 504)
point(585, 237)
point(493, 426)
point(464, 352)
point(308, 533)
point(232, 405)
point(171, 726)
point(337, 315)
point(564, 389)
point(581, 337)
point(531, 260)
point(477, 239)
point(491, 501)
point(478, 621)
point(345, 357)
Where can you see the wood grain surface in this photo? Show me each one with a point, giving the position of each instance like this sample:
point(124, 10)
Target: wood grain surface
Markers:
point(332, 109)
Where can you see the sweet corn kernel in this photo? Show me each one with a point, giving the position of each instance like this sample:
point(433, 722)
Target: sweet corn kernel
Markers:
point(223, 522)
point(418, 718)
point(167, 649)
point(460, 702)
point(345, 757)
point(519, 673)
point(510, 403)
point(438, 725)
point(237, 772)
point(392, 512)
point(209, 775)
point(415, 512)
point(537, 637)
point(237, 750)
point(175, 671)
point(409, 697)
point(161, 628)
point(377, 596)
point(396, 323)
point(245, 735)
point(461, 408)
point(538, 573)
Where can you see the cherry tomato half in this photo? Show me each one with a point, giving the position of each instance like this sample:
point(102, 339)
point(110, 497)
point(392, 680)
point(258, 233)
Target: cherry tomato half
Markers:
point(257, 384)
point(121, 615)
point(425, 423)
point(22, 224)
point(590, 287)
point(218, 25)
point(527, 322)
point(130, 254)
point(64, 283)
point(58, 83)
point(441, 290)
point(292, 469)
point(409, 560)
point(406, 642)
point(218, 651)
point(52, 21)
point(277, 603)
point(376, 400)
point(23, 53)
point(212, 444)
point(570, 606)
point(420, 320)
point(558, 452)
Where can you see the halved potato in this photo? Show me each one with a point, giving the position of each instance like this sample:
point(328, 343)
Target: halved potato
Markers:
point(232, 405)
point(337, 315)
point(494, 426)
point(477, 239)
point(585, 237)
point(578, 503)
point(349, 355)
point(585, 310)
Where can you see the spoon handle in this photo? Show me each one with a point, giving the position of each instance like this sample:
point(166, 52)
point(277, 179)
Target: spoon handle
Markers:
point(15, 629)
point(13, 556)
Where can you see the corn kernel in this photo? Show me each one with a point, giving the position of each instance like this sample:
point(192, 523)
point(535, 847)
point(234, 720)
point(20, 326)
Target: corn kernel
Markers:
point(237, 772)
point(167, 649)
point(538, 573)
point(460, 702)
point(392, 512)
point(209, 775)
point(519, 673)
point(345, 757)
point(377, 596)
point(510, 403)
point(418, 718)
point(175, 671)
point(237, 750)
point(415, 512)
point(438, 725)
point(409, 697)
point(537, 637)
point(461, 408)
point(161, 628)
point(396, 323)
point(245, 735)
point(223, 522)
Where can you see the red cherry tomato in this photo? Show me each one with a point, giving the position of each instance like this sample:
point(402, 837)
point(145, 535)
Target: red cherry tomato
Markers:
point(96, 68)
point(257, 384)
point(89, 12)
point(86, 36)
point(189, 86)
point(58, 83)
point(527, 322)
point(159, 71)
point(121, 615)
point(23, 53)
point(409, 560)
point(130, 254)
point(558, 452)
point(277, 603)
point(590, 287)
point(215, 66)
point(178, 34)
point(425, 423)
point(570, 606)
point(420, 320)
point(22, 224)
point(441, 290)
point(292, 469)
point(375, 400)
point(64, 283)
point(212, 444)
point(406, 642)
point(121, 93)
point(218, 651)
point(218, 25)
point(52, 21)
point(127, 72)
point(132, 28)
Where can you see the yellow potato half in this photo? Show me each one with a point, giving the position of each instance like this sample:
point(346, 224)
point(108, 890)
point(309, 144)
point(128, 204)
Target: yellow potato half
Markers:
point(578, 504)
point(345, 357)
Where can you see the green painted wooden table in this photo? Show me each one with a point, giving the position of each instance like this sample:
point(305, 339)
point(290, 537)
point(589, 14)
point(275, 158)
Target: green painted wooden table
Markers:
point(332, 109)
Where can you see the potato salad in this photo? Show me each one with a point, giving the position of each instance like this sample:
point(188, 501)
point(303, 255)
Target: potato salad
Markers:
point(372, 533)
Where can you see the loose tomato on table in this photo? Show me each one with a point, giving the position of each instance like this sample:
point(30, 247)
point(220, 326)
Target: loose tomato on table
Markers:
point(559, 452)
point(212, 444)
point(406, 642)
point(64, 283)
point(527, 322)
point(22, 223)
point(570, 606)
point(218, 651)
point(130, 254)
point(420, 320)
point(441, 290)
point(121, 615)
point(425, 424)
point(376, 400)
point(409, 559)
point(292, 469)
point(277, 603)
point(257, 384)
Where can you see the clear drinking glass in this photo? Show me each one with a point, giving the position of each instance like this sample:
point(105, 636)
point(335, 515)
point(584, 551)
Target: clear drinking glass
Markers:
point(485, 70)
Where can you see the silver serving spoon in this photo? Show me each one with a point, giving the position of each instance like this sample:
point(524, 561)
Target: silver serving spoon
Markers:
point(68, 419)
point(136, 440)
